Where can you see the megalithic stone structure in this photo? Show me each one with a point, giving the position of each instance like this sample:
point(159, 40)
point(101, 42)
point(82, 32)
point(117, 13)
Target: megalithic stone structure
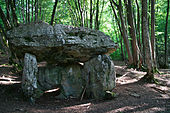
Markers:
point(76, 60)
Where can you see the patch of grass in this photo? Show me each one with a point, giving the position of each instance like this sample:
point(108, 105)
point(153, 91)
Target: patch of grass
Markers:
point(109, 95)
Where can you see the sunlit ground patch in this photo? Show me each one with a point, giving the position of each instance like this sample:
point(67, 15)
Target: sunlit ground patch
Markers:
point(7, 80)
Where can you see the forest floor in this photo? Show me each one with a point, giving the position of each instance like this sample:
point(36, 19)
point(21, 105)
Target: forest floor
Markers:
point(133, 96)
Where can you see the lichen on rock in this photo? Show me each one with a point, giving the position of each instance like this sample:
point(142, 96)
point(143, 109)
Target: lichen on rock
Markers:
point(64, 48)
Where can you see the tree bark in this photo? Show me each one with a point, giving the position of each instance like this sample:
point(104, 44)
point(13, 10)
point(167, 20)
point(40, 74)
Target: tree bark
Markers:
point(81, 13)
point(166, 37)
point(138, 24)
point(32, 18)
point(7, 9)
point(91, 14)
point(148, 50)
point(122, 29)
point(36, 14)
point(124, 33)
point(23, 16)
point(12, 4)
point(153, 31)
point(5, 20)
point(97, 16)
point(132, 31)
point(2, 45)
point(28, 11)
point(53, 13)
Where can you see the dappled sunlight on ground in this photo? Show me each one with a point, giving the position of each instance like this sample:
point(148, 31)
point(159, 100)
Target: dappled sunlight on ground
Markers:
point(132, 96)
point(8, 80)
point(126, 76)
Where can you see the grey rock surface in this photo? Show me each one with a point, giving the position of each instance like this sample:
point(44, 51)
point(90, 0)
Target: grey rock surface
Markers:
point(64, 48)
point(100, 76)
point(63, 43)
point(29, 80)
point(95, 76)
point(67, 77)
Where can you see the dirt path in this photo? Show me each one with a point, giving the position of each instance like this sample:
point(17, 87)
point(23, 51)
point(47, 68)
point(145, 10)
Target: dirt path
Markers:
point(132, 96)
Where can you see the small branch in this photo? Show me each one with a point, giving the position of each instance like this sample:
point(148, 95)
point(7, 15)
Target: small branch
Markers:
point(114, 3)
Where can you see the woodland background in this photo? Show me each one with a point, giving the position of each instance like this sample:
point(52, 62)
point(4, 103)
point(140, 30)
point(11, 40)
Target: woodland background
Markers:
point(139, 27)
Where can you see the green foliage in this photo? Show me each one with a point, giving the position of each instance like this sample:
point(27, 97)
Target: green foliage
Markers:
point(67, 14)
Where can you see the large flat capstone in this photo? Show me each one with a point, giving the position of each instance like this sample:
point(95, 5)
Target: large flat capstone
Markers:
point(59, 43)
point(63, 48)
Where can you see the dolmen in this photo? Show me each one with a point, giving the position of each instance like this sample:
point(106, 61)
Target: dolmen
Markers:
point(72, 59)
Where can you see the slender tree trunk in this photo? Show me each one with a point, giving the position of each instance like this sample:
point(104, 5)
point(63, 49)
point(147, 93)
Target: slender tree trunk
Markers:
point(143, 44)
point(166, 37)
point(3, 46)
point(36, 10)
point(91, 14)
point(124, 32)
point(15, 20)
point(132, 31)
point(28, 11)
point(153, 31)
point(138, 24)
point(23, 16)
point(148, 50)
point(101, 13)
point(20, 11)
point(32, 18)
point(7, 10)
point(77, 12)
point(4, 20)
point(81, 13)
point(97, 16)
point(53, 13)
point(149, 10)
point(40, 5)
point(123, 29)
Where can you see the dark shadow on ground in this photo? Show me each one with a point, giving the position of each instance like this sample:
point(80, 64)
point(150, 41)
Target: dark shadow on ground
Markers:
point(131, 97)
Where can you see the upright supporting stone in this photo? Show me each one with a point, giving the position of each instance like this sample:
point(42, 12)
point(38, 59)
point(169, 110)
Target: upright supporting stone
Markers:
point(100, 76)
point(67, 77)
point(29, 80)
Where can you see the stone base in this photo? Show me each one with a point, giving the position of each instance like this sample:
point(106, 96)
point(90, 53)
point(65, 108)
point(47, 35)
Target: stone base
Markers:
point(92, 78)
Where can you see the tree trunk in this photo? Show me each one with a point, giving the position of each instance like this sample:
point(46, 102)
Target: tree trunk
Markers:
point(12, 3)
point(4, 20)
point(124, 33)
point(91, 14)
point(101, 12)
point(77, 13)
point(143, 44)
point(97, 16)
point(2, 45)
point(148, 51)
point(132, 31)
point(36, 10)
point(81, 13)
point(138, 24)
point(7, 10)
point(40, 12)
point(32, 18)
point(53, 13)
point(153, 31)
point(166, 37)
point(122, 29)
point(28, 11)
point(23, 16)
